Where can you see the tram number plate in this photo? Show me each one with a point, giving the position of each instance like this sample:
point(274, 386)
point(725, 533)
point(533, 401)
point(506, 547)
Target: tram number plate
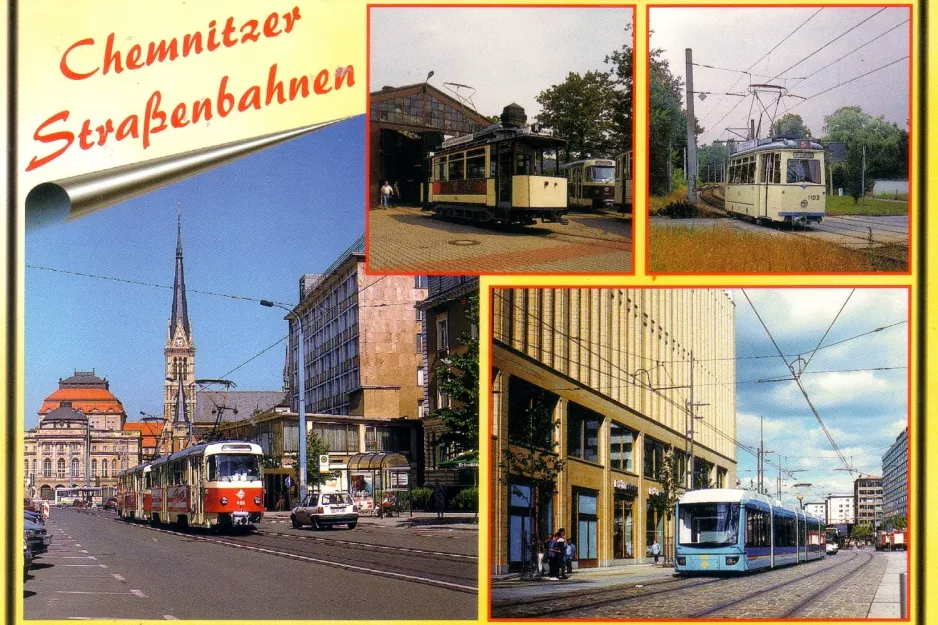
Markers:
point(814, 197)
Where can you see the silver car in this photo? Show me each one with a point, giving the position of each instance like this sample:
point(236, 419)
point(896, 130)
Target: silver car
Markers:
point(324, 510)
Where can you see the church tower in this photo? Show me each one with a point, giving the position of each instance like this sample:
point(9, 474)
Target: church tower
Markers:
point(179, 350)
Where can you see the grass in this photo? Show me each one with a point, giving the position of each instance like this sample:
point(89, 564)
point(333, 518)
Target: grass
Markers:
point(843, 205)
point(657, 202)
point(722, 249)
point(893, 196)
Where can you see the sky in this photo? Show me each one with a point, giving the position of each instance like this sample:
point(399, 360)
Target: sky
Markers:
point(250, 228)
point(863, 410)
point(737, 38)
point(506, 54)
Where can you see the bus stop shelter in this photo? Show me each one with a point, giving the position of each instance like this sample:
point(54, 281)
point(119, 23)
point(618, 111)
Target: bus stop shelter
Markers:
point(372, 476)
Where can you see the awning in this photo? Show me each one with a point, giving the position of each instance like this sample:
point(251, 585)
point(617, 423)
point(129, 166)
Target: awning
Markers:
point(468, 460)
point(378, 461)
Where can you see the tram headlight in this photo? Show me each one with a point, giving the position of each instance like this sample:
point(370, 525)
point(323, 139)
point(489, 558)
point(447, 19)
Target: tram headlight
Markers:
point(257, 501)
point(224, 501)
point(681, 560)
point(804, 203)
point(731, 560)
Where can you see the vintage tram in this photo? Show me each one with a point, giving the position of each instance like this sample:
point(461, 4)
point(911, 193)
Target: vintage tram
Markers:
point(777, 180)
point(218, 484)
point(726, 529)
point(501, 174)
point(622, 197)
point(591, 183)
point(134, 498)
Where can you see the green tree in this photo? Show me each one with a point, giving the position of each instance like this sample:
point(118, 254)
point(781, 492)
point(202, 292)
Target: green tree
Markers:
point(791, 124)
point(667, 122)
point(458, 377)
point(899, 522)
point(315, 447)
point(671, 485)
point(622, 62)
point(531, 460)
point(582, 110)
point(862, 531)
point(712, 159)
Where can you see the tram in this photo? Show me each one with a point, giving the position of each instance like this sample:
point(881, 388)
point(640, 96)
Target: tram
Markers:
point(134, 496)
point(777, 180)
point(216, 484)
point(591, 183)
point(725, 529)
point(622, 197)
point(501, 174)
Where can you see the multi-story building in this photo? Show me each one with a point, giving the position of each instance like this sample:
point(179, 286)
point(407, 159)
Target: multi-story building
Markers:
point(868, 499)
point(445, 323)
point(818, 509)
point(361, 341)
point(150, 435)
point(840, 509)
point(80, 440)
point(612, 383)
point(896, 480)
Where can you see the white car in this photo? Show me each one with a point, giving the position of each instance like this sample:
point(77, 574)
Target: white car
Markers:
point(321, 510)
point(832, 549)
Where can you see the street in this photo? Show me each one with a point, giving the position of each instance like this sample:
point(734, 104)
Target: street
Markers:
point(405, 239)
point(838, 587)
point(100, 567)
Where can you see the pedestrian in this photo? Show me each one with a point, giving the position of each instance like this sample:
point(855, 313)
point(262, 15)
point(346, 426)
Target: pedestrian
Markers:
point(281, 502)
point(569, 555)
point(397, 193)
point(386, 192)
point(655, 551)
point(558, 549)
point(439, 500)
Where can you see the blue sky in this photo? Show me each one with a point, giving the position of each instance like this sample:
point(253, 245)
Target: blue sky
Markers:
point(863, 410)
point(250, 228)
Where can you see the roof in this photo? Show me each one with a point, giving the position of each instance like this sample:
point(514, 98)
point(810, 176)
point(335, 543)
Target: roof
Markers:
point(65, 413)
point(83, 378)
point(735, 495)
point(387, 92)
point(180, 310)
point(442, 289)
point(90, 400)
point(776, 143)
point(238, 405)
point(150, 432)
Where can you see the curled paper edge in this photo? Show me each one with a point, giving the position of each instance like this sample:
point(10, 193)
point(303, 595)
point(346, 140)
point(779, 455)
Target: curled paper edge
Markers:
point(67, 199)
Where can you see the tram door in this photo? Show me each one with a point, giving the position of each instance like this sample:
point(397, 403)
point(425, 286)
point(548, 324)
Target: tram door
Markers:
point(503, 173)
point(768, 175)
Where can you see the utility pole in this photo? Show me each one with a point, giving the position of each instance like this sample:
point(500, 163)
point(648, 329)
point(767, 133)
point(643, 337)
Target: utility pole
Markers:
point(863, 174)
point(691, 131)
point(690, 418)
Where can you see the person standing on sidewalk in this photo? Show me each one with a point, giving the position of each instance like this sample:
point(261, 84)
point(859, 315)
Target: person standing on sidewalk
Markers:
point(558, 549)
point(655, 551)
point(439, 500)
point(568, 556)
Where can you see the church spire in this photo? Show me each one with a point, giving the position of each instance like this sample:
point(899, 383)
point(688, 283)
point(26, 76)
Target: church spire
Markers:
point(181, 415)
point(180, 310)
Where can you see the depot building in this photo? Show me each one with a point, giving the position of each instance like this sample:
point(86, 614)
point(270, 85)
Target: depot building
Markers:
point(591, 401)
point(405, 125)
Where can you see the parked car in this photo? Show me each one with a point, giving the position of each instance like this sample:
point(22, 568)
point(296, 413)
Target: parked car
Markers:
point(110, 504)
point(832, 549)
point(27, 556)
point(37, 537)
point(321, 510)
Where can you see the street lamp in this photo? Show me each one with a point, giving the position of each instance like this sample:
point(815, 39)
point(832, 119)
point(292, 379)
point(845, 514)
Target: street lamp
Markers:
point(801, 489)
point(302, 390)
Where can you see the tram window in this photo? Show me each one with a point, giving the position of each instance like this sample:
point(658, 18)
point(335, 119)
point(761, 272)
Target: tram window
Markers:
point(523, 164)
point(457, 167)
point(233, 467)
point(439, 169)
point(475, 165)
point(750, 174)
point(757, 528)
point(804, 170)
point(600, 174)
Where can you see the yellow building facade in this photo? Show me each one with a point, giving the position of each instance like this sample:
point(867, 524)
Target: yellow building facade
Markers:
point(624, 380)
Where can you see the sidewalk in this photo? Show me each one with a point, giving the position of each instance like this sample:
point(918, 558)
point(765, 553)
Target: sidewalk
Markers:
point(451, 520)
point(512, 587)
point(886, 600)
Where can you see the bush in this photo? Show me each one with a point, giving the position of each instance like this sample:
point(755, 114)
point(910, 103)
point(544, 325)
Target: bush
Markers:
point(467, 499)
point(680, 210)
point(421, 498)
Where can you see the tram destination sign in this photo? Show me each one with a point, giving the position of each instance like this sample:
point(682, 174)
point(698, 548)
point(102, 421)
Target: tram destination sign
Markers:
point(803, 155)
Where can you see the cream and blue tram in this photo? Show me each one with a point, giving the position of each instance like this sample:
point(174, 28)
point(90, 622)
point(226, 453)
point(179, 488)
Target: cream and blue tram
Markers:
point(777, 180)
point(591, 183)
point(724, 529)
point(497, 175)
point(217, 484)
point(623, 191)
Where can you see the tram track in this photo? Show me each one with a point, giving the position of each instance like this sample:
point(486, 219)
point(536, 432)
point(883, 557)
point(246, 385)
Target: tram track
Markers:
point(435, 568)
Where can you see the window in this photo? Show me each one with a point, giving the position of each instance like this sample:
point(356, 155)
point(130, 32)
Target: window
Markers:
point(420, 379)
point(420, 282)
point(60, 468)
point(104, 468)
point(757, 527)
point(583, 432)
point(442, 333)
point(600, 174)
point(530, 414)
point(457, 167)
point(621, 444)
point(47, 468)
point(419, 314)
point(74, 468)
point(804, 170)
point(420, 408)
point(654, 454)
point(721, 477)
point(419, 342)
point(94, 467)
point(709, 524)
point(439, 169)
point(442, 398)
point(475, 164)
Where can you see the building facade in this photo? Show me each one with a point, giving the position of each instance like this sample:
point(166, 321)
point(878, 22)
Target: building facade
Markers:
point(841, 509)
point(361, 341)
point(896, 480)
point(868, 500)
point(445, 322)
point(80, 440)
point(818, 509)
point(606, 383)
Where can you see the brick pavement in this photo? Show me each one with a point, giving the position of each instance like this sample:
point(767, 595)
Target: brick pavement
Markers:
point(407, 240)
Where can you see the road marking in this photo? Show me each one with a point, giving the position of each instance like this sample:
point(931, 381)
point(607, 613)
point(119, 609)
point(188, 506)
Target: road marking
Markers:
point(369, 546)
point(118, 577)
point(139, 593)
point(101, 565)
point(73, 557)
point(170, 617)
point(83, 551)
point(96, 592)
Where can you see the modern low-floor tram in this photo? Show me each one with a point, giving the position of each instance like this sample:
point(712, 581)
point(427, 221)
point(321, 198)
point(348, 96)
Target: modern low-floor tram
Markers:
point(591, 183)
point(722, 529)
point(777, 180)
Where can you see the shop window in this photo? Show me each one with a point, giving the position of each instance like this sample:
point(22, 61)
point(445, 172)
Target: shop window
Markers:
point(530, 414)
point(583, 432)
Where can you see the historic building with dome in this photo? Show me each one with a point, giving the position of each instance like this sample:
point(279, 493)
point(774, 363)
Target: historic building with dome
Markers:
point(80, 439)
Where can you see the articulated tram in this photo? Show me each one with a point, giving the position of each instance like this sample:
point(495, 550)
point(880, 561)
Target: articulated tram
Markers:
point(777, 180)
point(724, 529)
point(217, 484)
point(591, 183)
point(501, 174)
